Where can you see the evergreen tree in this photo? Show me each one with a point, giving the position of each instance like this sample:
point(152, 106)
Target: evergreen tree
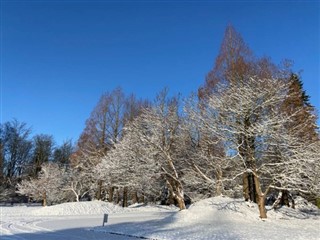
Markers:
point(298, 104)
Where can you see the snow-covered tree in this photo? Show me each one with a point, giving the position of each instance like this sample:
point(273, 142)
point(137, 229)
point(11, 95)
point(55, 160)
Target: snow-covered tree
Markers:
point(81, 179)
point(247, 117)
point(150, 149)
point(128, 165)
point(206, 155)
point(77, 183)
point(46, 187)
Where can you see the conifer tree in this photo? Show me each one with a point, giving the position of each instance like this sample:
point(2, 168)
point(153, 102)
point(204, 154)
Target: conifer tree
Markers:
point(298, 104)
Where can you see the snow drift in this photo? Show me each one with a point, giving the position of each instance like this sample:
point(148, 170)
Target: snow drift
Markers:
point(78, 208)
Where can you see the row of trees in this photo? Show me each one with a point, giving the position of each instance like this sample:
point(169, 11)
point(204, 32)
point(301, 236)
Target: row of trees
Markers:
point(250, 131)
point(21, 156)
point(77, 179)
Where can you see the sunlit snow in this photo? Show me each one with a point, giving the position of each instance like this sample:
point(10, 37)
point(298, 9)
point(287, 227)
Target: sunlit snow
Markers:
point(214, 218)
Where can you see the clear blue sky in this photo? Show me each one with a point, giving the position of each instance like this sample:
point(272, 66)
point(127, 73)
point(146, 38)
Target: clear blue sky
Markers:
point(58, 57)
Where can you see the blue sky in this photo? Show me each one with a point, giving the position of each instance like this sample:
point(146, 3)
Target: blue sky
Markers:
point(58, 57)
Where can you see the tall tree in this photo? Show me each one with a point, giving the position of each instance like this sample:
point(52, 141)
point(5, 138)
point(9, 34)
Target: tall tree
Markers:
point(15, 147)
point(236, 61)
point(104, 126)
point(271, 154)
point(233, 62)
point(42, 153)
point(156, 131)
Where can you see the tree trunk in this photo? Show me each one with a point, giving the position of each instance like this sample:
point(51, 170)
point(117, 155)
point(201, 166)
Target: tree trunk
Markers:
point(118, 197)
point(278, 200)
point(260, 196)
point(44, 199)
point(99, 191)
point(262, 208)
point(287, 198)
point(252, 188)
point(219, 186)
point(176, 191)
point(249, 188)
point(283, 198)
point(125, 197)
point(180, 199)
point(134, 197)
point(110, 194)
point(245, 187)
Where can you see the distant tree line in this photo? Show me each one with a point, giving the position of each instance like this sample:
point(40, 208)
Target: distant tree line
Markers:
point(250, 131)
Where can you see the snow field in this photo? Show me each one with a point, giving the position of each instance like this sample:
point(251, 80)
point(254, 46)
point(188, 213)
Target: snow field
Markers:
point(213, 218)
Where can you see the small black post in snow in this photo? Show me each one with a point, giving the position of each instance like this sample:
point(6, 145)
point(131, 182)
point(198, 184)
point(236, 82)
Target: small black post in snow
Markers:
point(105, 219)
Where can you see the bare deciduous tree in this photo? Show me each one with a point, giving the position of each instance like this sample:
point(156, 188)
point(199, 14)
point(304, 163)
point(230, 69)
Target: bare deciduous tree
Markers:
point(15, 149)
point(42, 152)
point(248, 118)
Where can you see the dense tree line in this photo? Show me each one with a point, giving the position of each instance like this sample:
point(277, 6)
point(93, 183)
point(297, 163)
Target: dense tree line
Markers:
point(21, 156)
point(250, 131)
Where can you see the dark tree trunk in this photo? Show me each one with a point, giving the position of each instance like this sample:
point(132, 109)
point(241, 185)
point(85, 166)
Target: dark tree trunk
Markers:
point(284, 198)
point(252, 188)
point(125, 197)
point(245, 186)
point(99, 190)
point(249, 188)
point(110, 194)
point(118, 197)
point(247, 152)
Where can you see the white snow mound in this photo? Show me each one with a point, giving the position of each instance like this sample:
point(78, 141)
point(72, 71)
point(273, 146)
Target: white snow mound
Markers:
point(222, 208)
point(78, 208)
point(222, 218)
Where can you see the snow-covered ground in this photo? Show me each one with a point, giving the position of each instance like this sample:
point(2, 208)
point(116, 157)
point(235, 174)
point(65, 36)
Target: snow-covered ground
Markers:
point(214, 218)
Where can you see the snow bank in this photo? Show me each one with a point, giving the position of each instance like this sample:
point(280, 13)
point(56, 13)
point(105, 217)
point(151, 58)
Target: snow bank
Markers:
point(151, 208)
point(248, 211)
point(96, 207)
point(224, 218)
point(222, 208)
point(78, 208)
point(16, 211)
